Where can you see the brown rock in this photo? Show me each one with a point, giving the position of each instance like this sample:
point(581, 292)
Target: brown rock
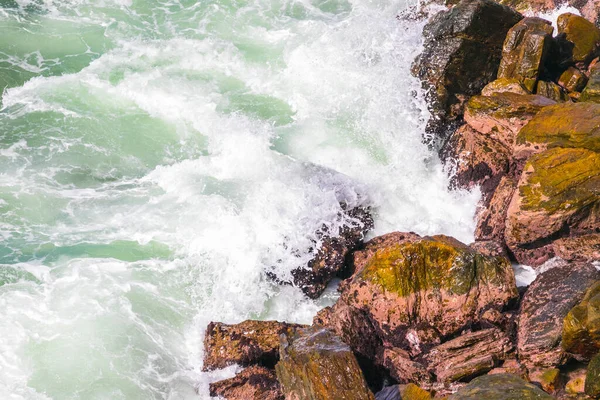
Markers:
point(502, 115)
point(414, 292)
point(510, 366)
point(582, 33)
point(552, 91)
point(581, 329)
point(491, 218)
point(246, 343)
point(504, 85)
point(316, 364)
point(573, 80)
point(590, 9)
point(476, 159)
point(525, 49)
point(578, 248)
point(403, 369)
point(500, 387)
point(549, 379)
point(558, 194)
point(461, 54)
point(469, 355)
point(543, 309)
point(253, 383)
point(592, 89)
point(331, 255)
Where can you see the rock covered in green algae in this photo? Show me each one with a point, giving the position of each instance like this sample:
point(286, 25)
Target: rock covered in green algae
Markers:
point(543, 309)
point(573, 80)
point(500, 387)
point(592, 89)
point(561, 125)
point(558, 192)
point(582, 33)
point(462, 52)
point(502, 115)
point(581, 332)
point(246, 343)
point(592, 379)
point(414, 290)
point(552, 91)
point(525, 49)
point(316, 365)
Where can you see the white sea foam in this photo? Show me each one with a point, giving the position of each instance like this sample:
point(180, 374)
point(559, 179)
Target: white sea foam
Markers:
point(228, 140)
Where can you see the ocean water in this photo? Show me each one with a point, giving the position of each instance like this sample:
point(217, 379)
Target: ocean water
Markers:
point(158, 157)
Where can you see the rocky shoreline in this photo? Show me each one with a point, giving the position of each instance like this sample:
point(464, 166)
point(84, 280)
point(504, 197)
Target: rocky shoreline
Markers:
point(515, 111)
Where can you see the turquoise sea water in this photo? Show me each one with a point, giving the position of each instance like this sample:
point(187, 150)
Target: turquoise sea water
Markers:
point(158, 157)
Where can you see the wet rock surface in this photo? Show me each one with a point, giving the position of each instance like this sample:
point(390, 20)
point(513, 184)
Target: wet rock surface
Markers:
point(253, 383)
point(581, 331)
point(463, 48)
point(592, 380)
point(543, 309)
point(246, 343)
point(316, 364)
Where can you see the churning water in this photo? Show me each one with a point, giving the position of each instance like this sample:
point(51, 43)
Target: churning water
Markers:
point(157, 157)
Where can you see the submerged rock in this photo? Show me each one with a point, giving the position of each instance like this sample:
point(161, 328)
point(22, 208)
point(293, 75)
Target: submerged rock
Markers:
point(561, 125)
point(315, 364)
point(331, 255)
point(582, 33)
point(502, 115)
point(500, 387)
point(469, 355)
point(253, 383)
point(524, 51)
point(462, 52)
point(543, 309)
point(415, 291)
point(558, 195)
point(581, 331)
point(246, 343)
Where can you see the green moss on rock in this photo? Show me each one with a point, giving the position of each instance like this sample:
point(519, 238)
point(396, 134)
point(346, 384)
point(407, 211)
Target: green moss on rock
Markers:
point(582, 33)
point(500, 387)
point(581, 329)
point(592, 379)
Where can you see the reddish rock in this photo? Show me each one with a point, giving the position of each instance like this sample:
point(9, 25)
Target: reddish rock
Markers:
point(476, 159)
point(525, 49)
point(246, 343)
point(490, 248)
point(503, 85)
point(543, 310)
point(510, 366)
point(491, 218)
point(469, 355)
point(558, 195)
point(331, 255)
point(316, 364)
point(253, 383)
point(403, 369)
point(581, 329)
point(502, 115)
point(578, 248)
point(416, 292)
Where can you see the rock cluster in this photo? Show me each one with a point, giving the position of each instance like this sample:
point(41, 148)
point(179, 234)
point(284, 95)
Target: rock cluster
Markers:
point(517, 107)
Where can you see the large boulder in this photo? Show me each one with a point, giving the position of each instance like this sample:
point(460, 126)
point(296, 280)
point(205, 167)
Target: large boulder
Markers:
point(500, 387)
point(502, 115)
point(249, 342)
point(476, 159)
point(525, 49)
point(582, 33)
point(463, 47)
point(543, 309)
point(330, 256)
point(415, 291)
point(581, 331)
point(592, 380)
point(316, 364)
point(558, 195)
point(561, 125)
point(253, 383)
point(469, 355)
